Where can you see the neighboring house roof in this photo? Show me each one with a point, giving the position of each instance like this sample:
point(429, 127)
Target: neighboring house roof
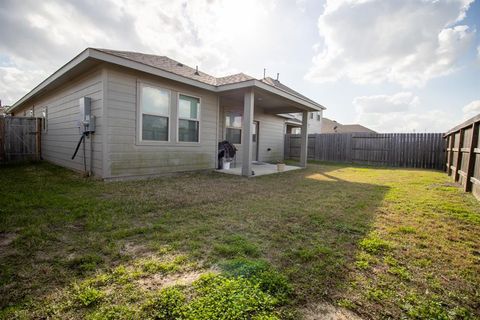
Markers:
point(355, 128)
point(332, 126)
point(328, 126)
point(170, 69)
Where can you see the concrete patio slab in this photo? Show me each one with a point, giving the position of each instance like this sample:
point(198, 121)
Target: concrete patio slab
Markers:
point(259, 169)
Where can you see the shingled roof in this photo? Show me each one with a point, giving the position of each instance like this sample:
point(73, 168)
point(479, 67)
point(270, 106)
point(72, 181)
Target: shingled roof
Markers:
point(166, 64)
point(168, 68)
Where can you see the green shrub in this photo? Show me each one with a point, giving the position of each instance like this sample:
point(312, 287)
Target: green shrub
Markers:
point(168, 304)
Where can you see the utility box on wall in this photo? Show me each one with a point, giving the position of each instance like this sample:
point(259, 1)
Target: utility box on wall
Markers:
point(86, 121)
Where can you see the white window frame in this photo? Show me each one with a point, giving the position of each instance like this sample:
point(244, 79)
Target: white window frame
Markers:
point(140, 114)
point(199, 113)
point(231, 127)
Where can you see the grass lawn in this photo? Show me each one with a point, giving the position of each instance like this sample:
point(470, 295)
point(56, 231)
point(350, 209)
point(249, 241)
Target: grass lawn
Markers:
point(380, 243)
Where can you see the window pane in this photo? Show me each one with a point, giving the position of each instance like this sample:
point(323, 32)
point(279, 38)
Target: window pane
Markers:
point(154, 128)
point(187, 130)
point(234, 135)
point(155, 101)
point(232, 120)
point(188, 107)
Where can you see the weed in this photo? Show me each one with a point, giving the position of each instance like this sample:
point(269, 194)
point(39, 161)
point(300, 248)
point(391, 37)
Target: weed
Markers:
point(374, 244)
point(167, 304)
point(401, 272)
point(87, 295)
point(237, 246)
point(260, 272)
point(220, 297)
point(406, 229)
point(113, 312)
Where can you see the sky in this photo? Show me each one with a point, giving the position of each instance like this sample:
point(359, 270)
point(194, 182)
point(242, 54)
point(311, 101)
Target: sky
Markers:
point(391, 65)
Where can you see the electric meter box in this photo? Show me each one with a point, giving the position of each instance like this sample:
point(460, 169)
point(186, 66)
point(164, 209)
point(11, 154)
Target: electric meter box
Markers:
point(86, 120)
point(85, 109)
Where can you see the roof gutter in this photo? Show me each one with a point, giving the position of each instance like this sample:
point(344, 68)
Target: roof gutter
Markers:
point(113, 59)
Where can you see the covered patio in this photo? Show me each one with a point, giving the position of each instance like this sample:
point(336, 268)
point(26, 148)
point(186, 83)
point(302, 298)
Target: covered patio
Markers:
point(271, 98)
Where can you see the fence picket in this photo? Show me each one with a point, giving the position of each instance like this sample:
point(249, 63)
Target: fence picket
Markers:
point(414, 150)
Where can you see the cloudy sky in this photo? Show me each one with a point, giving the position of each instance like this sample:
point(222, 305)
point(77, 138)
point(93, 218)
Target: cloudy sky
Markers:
point(392, 65)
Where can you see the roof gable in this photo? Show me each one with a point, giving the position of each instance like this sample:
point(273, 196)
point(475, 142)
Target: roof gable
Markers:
point(168, 68)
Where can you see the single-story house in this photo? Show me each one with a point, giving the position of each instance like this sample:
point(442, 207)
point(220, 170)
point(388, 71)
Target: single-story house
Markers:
point(154, 115)
point(293, 122)
point(319, 124)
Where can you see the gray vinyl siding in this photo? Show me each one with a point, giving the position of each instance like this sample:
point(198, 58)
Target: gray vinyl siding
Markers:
point(127, 156)
point(62, 135)
point(271, 134)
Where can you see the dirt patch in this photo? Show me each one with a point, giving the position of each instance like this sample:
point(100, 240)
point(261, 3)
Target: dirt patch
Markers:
point(136, 250)
point(158, 281)
point(6, 238)
point(326, 311)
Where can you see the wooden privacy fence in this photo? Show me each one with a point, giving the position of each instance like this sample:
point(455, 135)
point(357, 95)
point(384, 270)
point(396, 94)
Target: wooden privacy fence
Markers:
point(463, 155)
point(20, 139)
point(413, 150)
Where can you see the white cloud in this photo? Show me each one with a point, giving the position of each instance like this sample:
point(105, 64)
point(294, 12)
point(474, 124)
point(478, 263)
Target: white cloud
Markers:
point(400, 102)
point(406, 42)
point(472, 109)
point(400, 112)
point(208, 33)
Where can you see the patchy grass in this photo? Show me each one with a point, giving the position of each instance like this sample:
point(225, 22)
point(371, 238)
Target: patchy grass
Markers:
point(383, 243)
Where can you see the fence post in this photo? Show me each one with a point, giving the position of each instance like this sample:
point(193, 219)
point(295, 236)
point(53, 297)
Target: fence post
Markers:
point(458, 166)
point(471, 157)
point(286, 150)
point(38, 139)
point(2, 139)
point(450, 153)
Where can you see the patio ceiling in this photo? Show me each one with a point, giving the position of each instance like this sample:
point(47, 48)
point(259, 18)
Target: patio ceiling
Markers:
point(271, 103)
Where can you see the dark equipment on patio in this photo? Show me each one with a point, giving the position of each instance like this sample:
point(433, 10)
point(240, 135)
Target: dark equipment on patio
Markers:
point(225, 150)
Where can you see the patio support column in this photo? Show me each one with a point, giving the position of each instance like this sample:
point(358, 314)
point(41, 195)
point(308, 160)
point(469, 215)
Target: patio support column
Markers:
point(248, 105)
point(304, 140)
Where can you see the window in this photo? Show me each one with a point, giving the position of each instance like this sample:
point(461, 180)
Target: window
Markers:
point(44, 120)
point(155, 113)
point(318, 117)
point(233, 131)
point(188, 118)
point(311, 115)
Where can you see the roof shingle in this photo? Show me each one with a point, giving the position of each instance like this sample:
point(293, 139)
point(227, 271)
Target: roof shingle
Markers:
point(166, 64)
